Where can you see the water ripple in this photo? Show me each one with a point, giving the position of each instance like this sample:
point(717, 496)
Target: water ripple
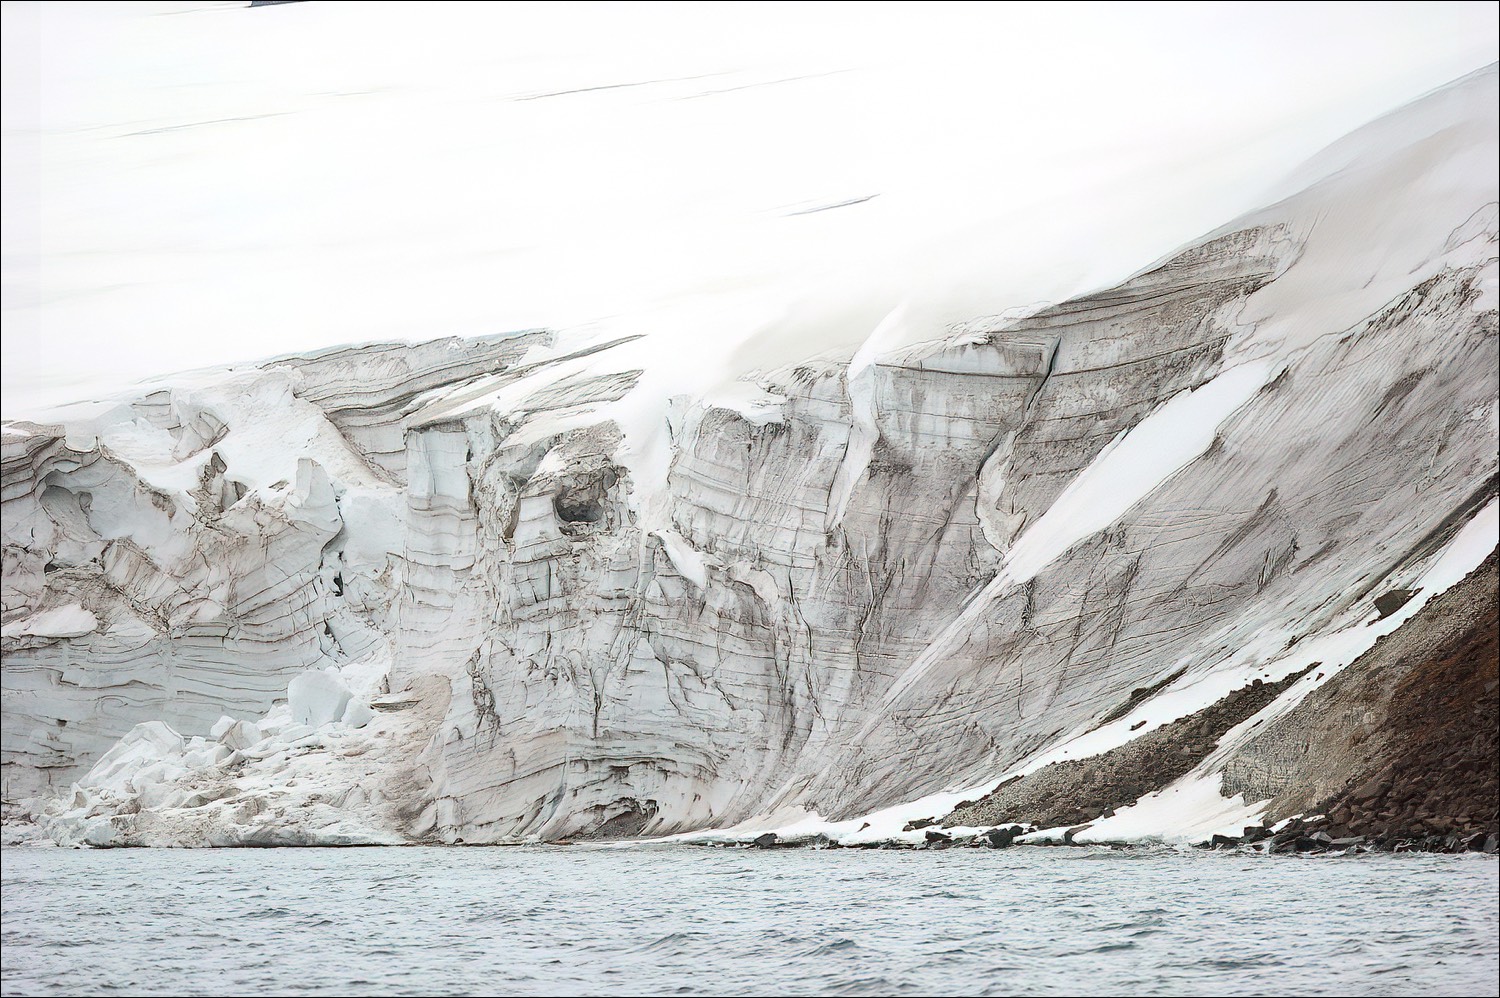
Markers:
point(586, 921)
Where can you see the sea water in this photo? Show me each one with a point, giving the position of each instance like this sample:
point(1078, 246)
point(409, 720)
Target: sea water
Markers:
point(680, 920)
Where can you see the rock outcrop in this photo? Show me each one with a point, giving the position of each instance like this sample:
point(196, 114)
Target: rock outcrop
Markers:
point(612, 610)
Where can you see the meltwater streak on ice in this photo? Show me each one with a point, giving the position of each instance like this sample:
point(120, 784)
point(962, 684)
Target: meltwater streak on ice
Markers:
point(1126, 471)
point(675, 920)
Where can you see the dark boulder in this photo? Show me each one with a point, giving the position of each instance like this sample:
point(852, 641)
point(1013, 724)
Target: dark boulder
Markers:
point(999, 838)
point(1388, 603)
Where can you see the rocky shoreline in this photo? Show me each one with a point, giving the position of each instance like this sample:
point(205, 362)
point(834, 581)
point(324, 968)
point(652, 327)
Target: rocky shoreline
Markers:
point(1295, 836)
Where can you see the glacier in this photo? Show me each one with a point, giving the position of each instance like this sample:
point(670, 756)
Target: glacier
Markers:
point(545, 585)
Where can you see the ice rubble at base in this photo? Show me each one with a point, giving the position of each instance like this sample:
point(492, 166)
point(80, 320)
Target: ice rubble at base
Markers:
point(319, 698)
point(625, 601)
point(155, 768)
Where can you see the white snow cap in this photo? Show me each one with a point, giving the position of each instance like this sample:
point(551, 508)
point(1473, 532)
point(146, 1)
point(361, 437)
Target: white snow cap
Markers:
point(716, 179)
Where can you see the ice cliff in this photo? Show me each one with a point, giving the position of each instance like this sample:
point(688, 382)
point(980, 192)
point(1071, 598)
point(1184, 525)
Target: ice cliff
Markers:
point(524, 586)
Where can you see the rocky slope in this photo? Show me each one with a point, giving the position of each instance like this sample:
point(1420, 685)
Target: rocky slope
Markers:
point(580, 603)
point(1404, 746)
point(1076, 791)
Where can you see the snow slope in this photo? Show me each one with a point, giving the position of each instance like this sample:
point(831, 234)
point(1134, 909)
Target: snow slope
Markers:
point(191, 184)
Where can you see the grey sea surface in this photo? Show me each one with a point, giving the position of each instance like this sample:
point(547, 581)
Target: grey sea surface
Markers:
point(679, 920)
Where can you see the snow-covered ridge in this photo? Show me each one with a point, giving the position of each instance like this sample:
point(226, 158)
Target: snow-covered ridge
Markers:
point(607, 591)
